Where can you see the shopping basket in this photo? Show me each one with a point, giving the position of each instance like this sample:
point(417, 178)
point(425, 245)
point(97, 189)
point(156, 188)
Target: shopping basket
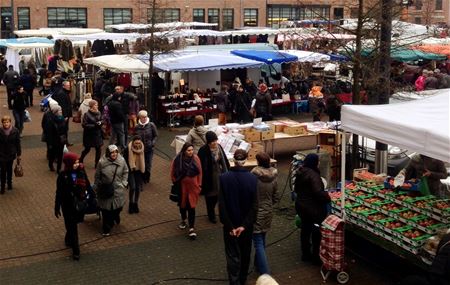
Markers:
point(332, 249)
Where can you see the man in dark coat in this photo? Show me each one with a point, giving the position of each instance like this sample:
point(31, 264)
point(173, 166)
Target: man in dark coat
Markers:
point(237, 208)
point(117, 118)
point(125, 99)
point(62, 96)
point(214, 162)
point(310, 205)
point(11, 80)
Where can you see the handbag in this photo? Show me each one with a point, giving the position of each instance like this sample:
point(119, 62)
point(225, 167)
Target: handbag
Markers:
point(175, 192)
point(106, 190)
point(80, 205)
point(18, 169)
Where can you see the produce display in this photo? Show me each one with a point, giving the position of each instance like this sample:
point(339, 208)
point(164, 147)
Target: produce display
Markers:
point(402, 217)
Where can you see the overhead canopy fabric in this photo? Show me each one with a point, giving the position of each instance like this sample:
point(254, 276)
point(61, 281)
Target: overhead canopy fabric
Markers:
point(24, 43)
point(308, 56)
point(175, 62)
point(266, 56)
point(405, 55)
point(45, 32)
point(421, 125)
point(101, 36)
point(437, 49)
point(170, 25)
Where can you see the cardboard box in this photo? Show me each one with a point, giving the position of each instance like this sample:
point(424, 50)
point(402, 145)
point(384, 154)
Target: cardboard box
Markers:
point(279, 127)
point(252, 136)
point(295, 130)
point(254, 149)
point(267, 135)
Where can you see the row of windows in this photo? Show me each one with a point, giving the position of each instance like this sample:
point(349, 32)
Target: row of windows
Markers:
point(438, 6)
point(77, 17)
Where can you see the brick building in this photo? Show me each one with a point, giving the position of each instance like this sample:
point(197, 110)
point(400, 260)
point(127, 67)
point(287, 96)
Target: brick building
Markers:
point(229, 14)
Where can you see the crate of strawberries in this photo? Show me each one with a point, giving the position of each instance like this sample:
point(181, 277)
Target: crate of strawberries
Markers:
point(389, 225)
point(441, 207)
point(411, 235)
point(428, 225)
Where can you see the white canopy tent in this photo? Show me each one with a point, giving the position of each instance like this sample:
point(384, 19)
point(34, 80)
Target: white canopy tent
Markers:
point(45, 32)
point(422, 126)
point(308, 56)
point(181, 61)
point(171, 25)
point(100, 36)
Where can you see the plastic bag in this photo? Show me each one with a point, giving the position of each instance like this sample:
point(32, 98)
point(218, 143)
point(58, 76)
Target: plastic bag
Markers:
point(65, 149)
point(27, 117)
point(399, 180)
point(423, 186)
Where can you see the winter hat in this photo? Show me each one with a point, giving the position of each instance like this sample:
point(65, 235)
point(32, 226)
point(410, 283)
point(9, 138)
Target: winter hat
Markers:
point(69, 159)
point(311, 161)
point(240, 155)
point(210, 137)
point(142, 113)
point(262, 87)
point(112, 147)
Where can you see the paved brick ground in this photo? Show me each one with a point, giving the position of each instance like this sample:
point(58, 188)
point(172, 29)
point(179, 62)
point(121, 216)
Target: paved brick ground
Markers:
point(146, 248)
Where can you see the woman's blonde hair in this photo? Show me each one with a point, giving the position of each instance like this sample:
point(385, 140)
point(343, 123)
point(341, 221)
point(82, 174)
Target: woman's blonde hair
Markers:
point(6, 118)
point(266, 279)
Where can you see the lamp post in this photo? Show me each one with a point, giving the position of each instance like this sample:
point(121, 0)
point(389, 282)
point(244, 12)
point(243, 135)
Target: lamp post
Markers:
point(12, 19)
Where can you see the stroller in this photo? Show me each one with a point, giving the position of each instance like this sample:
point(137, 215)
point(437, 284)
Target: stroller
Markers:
point(332, 249)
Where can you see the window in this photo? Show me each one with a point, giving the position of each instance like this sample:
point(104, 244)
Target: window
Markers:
point(114, 16)
point(164, 15)
point(227, 19)
point(5, 24)
point(250, 17)
point(438, 5)
point(338, 13)
point(213, 17)
point(198, 15)
point(418, 4)
point(281, 15)
point(23, 18)
point(67, 17)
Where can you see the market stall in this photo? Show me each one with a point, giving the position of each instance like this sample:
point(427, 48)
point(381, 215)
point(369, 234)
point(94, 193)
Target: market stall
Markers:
point(400, 215)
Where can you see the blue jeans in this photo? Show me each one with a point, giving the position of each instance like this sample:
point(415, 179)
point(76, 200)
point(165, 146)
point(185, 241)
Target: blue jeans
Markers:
point(259, 242)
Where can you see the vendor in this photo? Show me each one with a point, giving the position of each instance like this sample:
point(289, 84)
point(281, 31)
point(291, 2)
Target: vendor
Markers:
point(421, 165)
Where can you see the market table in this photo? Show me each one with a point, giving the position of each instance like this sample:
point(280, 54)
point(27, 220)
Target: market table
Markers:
point(172, 114)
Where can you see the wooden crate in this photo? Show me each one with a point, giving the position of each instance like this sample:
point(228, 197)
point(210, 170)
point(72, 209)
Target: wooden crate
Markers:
point(255, 148)
point(295, 130)
point(267, 135)
point(252, 136)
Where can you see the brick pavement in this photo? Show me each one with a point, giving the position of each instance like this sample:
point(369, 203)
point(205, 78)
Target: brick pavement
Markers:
point(144, 249)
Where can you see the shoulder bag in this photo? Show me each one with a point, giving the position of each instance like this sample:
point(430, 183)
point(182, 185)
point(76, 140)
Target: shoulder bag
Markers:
point(106, 190)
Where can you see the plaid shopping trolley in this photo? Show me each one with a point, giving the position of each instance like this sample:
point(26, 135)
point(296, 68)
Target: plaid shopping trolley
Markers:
point(332, 249)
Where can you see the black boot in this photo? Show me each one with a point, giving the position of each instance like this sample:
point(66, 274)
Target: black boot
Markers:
point(10, 186)
point(130, 208)
point(136, 208)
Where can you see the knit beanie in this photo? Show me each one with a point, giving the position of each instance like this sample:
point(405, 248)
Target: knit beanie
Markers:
point(210, 137)
point(311, 161)
point(69, 159)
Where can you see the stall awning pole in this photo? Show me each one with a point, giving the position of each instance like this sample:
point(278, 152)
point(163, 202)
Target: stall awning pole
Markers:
point(343, 154)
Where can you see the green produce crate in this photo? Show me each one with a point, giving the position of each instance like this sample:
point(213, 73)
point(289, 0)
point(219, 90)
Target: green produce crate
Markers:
point(414, 241)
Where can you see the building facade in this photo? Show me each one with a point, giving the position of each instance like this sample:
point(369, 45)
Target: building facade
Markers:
point(228, 14)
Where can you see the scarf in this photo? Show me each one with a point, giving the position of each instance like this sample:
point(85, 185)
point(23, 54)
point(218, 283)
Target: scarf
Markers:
point(136, 158)
point(145, 123)
point(7, 131)
point(185, 166)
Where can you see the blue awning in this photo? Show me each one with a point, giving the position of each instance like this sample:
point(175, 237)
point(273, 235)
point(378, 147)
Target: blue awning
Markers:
point(266, 56)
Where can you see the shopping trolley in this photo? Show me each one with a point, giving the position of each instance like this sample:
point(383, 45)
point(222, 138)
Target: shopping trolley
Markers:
point(332, 249)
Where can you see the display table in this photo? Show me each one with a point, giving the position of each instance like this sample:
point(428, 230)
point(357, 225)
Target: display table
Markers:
point(173, 114)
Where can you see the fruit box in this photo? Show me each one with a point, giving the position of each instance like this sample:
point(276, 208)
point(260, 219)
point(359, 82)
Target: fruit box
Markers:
point(388, 207)
point(441, 207)
point(412, 236)
point(420, 204)
point(375, 217)
point(402, 197)
point(389, 225)
point(408, 216)
point(384, 193)
point(368, 186)
point(370, 200)
point(427, 224)
point(406, 246)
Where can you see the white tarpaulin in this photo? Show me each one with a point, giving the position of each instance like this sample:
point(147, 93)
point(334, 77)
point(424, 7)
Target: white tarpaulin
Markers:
point(420, 125)
point(101, 36)
point(308, 56)
point(45, 32)
point(176, 61)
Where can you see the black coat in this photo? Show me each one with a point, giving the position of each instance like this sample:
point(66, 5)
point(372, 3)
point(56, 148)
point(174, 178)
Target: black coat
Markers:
point(55, 130)
point(66, 190)
point(440, 269)
point(92, 129)
point(115, 110)
point(62, 96)
point(10, 145)
point(148, 134)
point(19, 101)
point(206, 159)
point(311, 198)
